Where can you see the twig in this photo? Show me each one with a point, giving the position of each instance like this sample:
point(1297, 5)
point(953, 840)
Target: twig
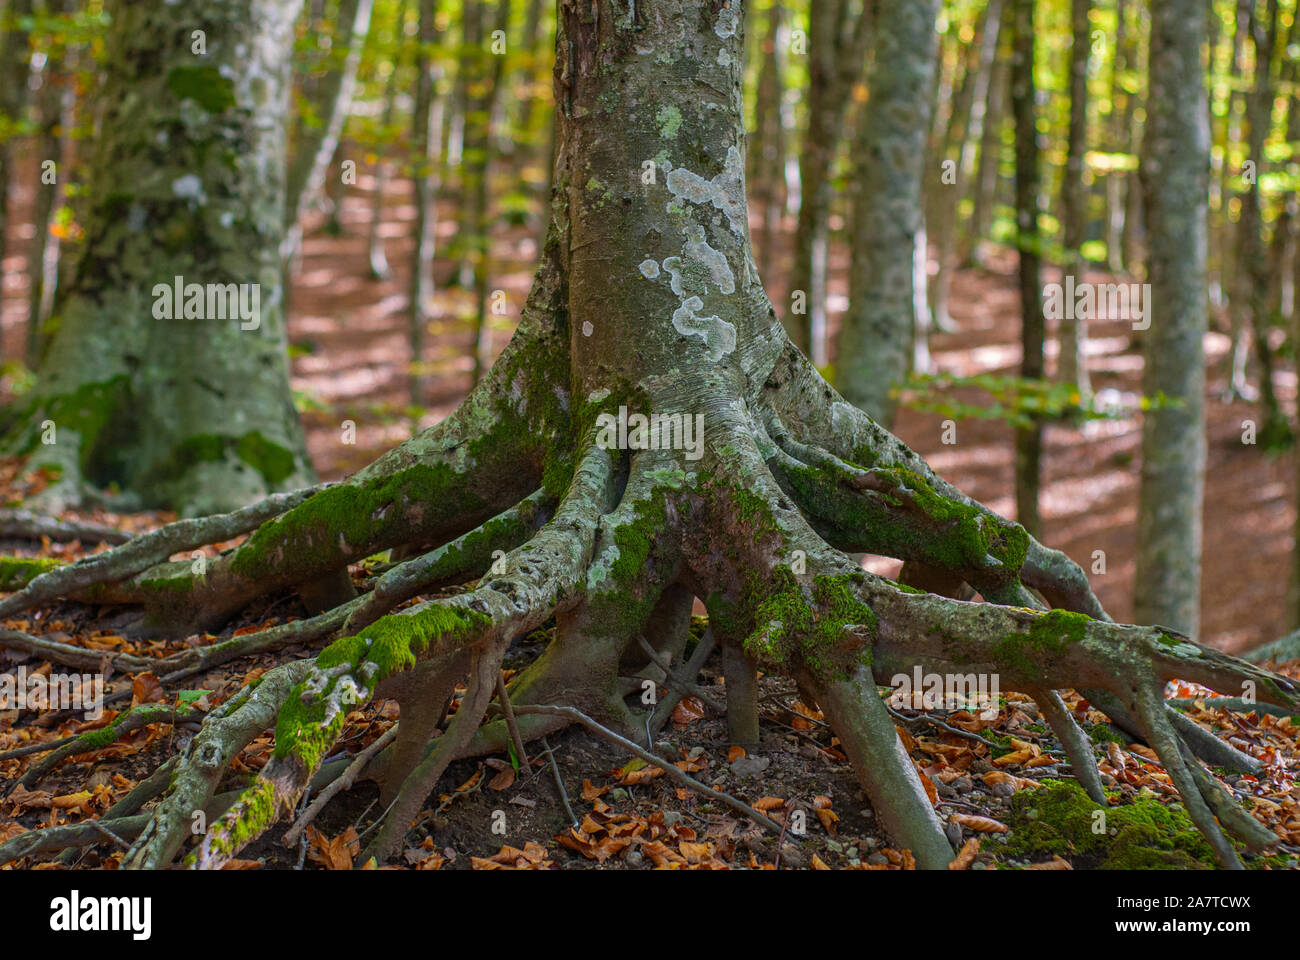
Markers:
point(672, 678)
point(673, 771)
point(33, 526)
point(507, 710)
point(559, 782)
point(110, 834)
point(691, 669)
point(347, 779)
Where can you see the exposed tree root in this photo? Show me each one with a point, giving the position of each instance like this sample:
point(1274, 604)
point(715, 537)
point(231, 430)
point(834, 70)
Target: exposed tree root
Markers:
point(792, 481)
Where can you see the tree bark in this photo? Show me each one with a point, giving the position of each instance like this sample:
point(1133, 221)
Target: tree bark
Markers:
point(188, 412)
point(1073, 334)
point(875, 344)
point(1029, 440)
point(1175, 170)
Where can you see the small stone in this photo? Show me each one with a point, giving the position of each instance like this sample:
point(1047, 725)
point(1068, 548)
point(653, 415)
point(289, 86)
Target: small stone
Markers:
point(869, 843)
point(834, 846)
point(634, 858)
point(618, 793)
point(671, 818)
point(981, 766)
point(953, 832)
point(694, 753)
point(945, 790)
point(979, 865)
point(854, 862)
point(877, 859)
point(866, 813)
point(851, 852)
point(750, 766)
point(963, 785)
point(1003, 789)
point(1107, 780)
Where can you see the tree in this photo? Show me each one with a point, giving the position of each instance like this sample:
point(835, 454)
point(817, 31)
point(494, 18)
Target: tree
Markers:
point(1074, 198)
point(1024, 92)
point(1175, 182)
point(838, 32)
point(167, 370)
point(875, 344)
point(762, 480)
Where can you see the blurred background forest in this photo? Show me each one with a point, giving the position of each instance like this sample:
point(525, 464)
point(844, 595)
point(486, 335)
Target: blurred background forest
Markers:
point(418, 177)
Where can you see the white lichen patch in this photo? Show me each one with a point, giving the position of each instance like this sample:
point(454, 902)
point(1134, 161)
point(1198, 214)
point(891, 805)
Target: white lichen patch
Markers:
point(724, 58)
point(728, 22)
point(189, 187)
point(726, 191)
point(649, 269)
point(718, 335)
point(713, 261)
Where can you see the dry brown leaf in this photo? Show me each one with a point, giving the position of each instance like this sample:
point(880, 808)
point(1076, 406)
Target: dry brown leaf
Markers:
point(977, 823)
point(502, 780)
point(966, 856)
point(768, 803)
point(146, 688)
point(1056, 863)
point(735, 753)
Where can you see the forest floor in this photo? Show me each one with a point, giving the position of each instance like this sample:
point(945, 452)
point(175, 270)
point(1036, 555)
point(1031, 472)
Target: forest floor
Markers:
point(987, 775)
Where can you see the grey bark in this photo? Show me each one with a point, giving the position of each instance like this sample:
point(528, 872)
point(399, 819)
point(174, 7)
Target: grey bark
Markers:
point(187, 179)
point(1029, 440)
point(875, 342)
point(1073, 333)
point(1175, 169)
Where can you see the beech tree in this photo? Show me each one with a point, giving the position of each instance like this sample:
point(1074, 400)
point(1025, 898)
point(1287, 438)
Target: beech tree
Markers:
point(646, 302)
point(160, 385)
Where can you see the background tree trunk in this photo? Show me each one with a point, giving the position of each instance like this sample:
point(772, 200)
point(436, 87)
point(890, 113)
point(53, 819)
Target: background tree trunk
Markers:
point(190, 413)
point(1175, 171)
point(875, 343)
point(1029, 440)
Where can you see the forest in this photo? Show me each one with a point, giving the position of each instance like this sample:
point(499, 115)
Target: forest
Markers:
point(601, 435)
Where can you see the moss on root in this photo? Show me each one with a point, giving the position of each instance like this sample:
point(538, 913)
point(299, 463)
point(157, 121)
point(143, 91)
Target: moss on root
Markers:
point(17, 572)
point(1061, 820)
point(1049, 635)
point(348, 670)
point(910, 520)
point(829, 631)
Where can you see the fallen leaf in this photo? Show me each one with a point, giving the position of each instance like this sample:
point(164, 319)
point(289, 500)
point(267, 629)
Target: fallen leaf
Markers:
point(980, 824)
point(966, 855)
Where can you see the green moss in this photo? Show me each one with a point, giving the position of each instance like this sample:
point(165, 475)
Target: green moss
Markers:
point(204, 85)
point(17, 572)
point(245, 821)
point(910, 520)
point(391, 644)
point(1144, 835)
point(274, 462)
point(1049, 635)
point(1103, 734)
point(86, 411)
point(788, 626)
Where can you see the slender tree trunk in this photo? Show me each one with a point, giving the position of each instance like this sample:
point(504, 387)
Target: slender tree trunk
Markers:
point(1074, 199)
point(478, 165)
point(51, 107)
point(837, 48)
point(379, 268)
point(14, 58)
point(964, 133)
point(1229, 235)
point(426, 184)
point(767, 151)
point(1251, 297)
point(985, 185)
point(1029, 440)
point(875, 342)
point(183, 402)
point(1175, 171)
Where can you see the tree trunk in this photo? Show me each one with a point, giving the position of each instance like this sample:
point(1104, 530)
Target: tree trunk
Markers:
point(426, 183)
point(1175, 171)
point(984, 187)
point(1074, 199)
point(181, 404)
point(767, 151)
point(1029, 440)
point(875, 344)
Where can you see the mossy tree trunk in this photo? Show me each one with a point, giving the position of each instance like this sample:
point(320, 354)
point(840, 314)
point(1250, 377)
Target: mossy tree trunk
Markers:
point(646, 302)
point(180, 404)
